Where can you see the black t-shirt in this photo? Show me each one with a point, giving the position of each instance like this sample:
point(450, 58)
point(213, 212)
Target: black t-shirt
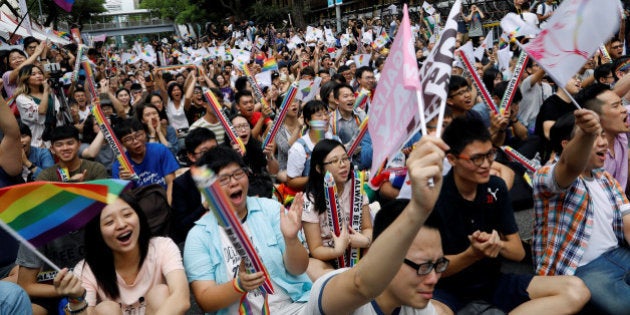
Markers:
point(551, 109)
point(457, 218)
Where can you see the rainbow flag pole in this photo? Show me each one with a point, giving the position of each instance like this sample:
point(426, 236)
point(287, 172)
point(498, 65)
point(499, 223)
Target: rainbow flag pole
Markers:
point(356, 202)
point(335, 214)
point(363, 128)
point(225, 122)
point(508, 95)
point(255, 88)
point(77, 63)
point(478, 84)
point(284, 108)
point(103, 123)
point(225, 214)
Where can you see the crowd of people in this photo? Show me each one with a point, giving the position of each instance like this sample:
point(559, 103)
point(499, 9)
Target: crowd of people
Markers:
point(433, 229)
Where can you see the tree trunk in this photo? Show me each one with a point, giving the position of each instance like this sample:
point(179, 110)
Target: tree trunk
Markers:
point(297, 14)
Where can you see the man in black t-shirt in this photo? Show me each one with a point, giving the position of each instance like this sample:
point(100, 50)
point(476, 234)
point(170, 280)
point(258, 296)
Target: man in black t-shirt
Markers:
point(477, 225)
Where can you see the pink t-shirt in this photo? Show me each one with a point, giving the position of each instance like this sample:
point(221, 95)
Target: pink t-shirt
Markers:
point(163, 257)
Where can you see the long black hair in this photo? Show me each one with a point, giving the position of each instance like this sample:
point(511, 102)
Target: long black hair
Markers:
point(315, 184)
point(100, 257)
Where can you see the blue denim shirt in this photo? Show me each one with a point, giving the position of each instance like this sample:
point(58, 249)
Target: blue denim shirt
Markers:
point(203, 255)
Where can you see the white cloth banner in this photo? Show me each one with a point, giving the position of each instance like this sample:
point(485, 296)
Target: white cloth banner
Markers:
point(572, 35)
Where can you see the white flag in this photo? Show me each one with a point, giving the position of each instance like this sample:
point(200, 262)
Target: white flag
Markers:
point(436, 70)
point(572, 35)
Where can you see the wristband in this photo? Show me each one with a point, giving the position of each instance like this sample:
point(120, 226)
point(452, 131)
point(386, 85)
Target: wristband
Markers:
point(236, 284)
point(77, 311)
point(32, 167)
point(77, 300)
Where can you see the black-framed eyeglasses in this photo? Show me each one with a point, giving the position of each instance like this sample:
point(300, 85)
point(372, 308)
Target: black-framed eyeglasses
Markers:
point(440, 266)
point(138, 135)
point(224, 179)
point(478, 159)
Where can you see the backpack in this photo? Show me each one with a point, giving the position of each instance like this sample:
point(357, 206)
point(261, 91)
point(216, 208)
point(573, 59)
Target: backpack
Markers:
point(153, 202)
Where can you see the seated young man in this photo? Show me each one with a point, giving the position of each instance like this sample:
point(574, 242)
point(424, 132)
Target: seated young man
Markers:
point(392, 279)
point(152, 162)
point(582, 227)
point(477, 225)
point(34, 275)
point(70, 168)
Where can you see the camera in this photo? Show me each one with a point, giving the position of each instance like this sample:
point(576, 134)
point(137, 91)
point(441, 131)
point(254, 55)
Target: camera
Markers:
point(52, 68)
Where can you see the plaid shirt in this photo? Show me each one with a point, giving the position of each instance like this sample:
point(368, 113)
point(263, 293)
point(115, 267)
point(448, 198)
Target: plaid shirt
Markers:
point(564, 219)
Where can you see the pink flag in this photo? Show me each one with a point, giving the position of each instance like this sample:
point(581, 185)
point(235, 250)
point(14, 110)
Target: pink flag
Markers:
point(572, 35)
point(394, 111)
point(99, 38)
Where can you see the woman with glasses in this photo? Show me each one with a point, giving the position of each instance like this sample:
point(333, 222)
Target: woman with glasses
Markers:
point(258, 160)
point(156, 132)
point(38, 106)
point(324, 246)
point(214, 268)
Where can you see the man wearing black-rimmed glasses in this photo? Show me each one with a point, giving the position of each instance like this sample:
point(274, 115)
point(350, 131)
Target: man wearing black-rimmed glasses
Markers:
point(477, 225)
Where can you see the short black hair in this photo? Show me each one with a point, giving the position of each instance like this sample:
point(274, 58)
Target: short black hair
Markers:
point(240, 94)
point(390, 211)
point(220, 157)
point(457, 82)
point(340, 86)
point(25, 130)
point(311, 107)
point(240, 84)
point(499, 90)
point(603, 71)
point(587, 97)
point(308, 71)
point(64, 132)
point(325, 90)
point(359, 72)
point(463, 131)
point(29, 40)
point(198, 136)
point(562, 129)
point(126, 127)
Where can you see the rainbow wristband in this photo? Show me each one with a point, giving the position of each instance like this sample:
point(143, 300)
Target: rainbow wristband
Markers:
point(236, 284)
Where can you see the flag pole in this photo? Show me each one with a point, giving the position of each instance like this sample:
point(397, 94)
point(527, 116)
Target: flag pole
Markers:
point(28, 245)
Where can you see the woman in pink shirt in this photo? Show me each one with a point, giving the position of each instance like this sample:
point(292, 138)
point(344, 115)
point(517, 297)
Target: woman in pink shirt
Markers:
point(125, 270)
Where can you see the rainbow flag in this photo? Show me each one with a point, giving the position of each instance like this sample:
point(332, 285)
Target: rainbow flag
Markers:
point(42, 211)
point(65, 4)
point(270, 64)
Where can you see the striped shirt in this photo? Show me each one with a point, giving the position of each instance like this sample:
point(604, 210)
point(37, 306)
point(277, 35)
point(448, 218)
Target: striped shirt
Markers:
point(564, 219)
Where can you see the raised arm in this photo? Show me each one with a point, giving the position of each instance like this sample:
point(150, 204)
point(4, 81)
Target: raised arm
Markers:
point(359, 285)
point(10, 147)
point(577, 152)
